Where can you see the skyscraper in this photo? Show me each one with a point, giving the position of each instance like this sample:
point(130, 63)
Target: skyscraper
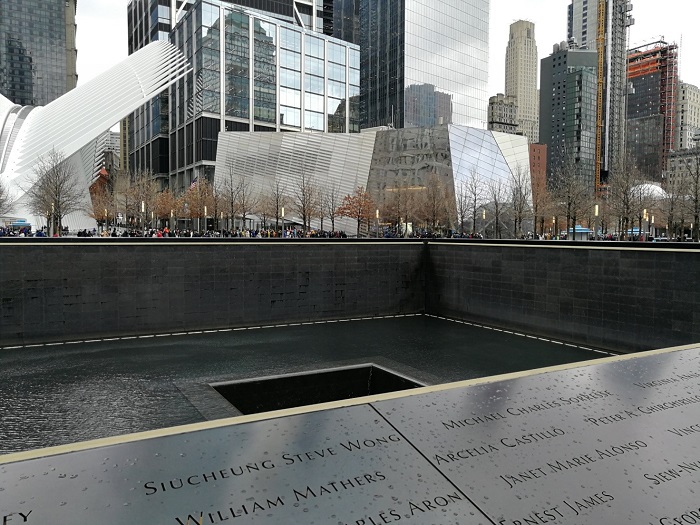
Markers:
point(606, 20)
point(148, 127)
point(687, 116)
point(37, 50)
point(404, 48)
point(568, 91)
point(521, 77)
point(651, 107)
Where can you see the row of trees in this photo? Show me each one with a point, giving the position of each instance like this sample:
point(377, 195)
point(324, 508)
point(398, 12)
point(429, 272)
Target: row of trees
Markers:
point(496, 207)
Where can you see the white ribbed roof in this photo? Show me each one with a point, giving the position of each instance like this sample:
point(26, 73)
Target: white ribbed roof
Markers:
point(70, 122)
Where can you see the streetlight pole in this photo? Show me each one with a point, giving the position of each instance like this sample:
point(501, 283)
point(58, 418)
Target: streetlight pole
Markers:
point(554, 227)
point(483, 220)
point(205, 218)
point(143, 217)
point(377, 215)
point(595, 223)
point(284, 233)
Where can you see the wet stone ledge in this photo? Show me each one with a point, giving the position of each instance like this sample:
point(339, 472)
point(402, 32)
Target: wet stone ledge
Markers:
point(612, 441)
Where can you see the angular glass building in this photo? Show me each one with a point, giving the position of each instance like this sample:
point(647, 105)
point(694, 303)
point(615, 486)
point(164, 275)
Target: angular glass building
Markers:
point(386, 162)
point(254, 72)
point(424, 63)
point(37, 50)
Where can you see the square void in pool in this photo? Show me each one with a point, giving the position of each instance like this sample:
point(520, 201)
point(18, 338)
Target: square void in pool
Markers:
point(252, 396)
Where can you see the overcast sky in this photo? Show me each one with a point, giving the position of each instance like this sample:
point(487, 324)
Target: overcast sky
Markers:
point(102, 32)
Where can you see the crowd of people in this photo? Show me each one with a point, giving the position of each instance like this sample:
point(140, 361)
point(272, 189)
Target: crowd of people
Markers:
point(241, 233)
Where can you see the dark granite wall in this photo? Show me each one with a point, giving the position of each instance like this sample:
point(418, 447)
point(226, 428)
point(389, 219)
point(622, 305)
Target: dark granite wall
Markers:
point(52, 290)
point(620, 296)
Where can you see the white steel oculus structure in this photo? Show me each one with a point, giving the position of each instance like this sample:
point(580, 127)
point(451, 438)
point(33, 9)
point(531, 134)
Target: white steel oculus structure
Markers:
point(77, 118)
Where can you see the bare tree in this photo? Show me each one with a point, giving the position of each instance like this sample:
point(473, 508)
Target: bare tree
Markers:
point(119, 187)
point(305, 198)
point(521, 196)
point(143, 191)
point(674, 203)
point(165, 205)
point(621, 197)
point(474, 190)
point(358, 206)
point(276, 200)
point(433, 203)
point(101, 205)
point(496, 193)
point(5, 203)
point(462, 202)
point(330, 202)
point(53, 191)
point(396, 205)
point(571, 190)
point(227, 188)
point(245, 199)
point(692, 190)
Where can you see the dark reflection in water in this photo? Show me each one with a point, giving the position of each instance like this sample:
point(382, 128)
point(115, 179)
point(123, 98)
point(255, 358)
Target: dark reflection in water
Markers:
point(63, 394)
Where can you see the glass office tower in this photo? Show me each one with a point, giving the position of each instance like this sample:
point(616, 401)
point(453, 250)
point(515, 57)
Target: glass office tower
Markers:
point(424, 63)
point(254, 72)
point(37, 50)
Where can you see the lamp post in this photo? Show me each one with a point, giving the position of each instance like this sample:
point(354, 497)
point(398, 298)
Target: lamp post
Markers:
point(595, 223)
point(172, 214)
point(554, 227)
point(377, 215)
point(143, 217)
point(221, 223)
point(205, 218)
point(651, 228)
point(483, 220)
point(53, 218)
point(105, 224)
point(284, 233)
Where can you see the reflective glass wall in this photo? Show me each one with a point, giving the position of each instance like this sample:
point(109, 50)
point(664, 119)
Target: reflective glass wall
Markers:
point(446, 62)
point(424, 63)
point(148, 126)
point(35, 66)
point(252, 72)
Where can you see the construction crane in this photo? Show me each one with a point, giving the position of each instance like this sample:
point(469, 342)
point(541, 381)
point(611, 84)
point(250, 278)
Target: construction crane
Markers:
point(600, 47)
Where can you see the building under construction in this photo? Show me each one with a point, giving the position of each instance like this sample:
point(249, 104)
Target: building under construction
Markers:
point(602, 26)
point(651, 106)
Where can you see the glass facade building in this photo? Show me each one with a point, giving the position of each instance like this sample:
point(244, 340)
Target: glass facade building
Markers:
point(568, 89)
point(148, 127)
point(37, 50)
point(652, 74)
point(253, 72)
point(424, 63)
